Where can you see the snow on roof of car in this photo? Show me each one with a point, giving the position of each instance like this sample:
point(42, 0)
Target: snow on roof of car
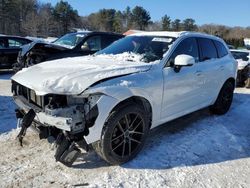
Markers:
point(79, 30)
point(86, 31)
point(174, 34)
point(159, 33)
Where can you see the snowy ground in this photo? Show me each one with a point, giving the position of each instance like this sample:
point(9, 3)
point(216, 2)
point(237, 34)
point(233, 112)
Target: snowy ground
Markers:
point(198, 150)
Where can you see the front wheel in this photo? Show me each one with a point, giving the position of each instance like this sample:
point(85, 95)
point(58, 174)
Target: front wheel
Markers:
point(123, 135)
point(224, 99)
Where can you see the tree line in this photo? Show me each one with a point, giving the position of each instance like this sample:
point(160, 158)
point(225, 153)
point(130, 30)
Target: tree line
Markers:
point(32, 18)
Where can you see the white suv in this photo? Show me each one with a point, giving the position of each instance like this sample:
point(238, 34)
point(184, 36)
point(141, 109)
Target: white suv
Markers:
point(112, 99)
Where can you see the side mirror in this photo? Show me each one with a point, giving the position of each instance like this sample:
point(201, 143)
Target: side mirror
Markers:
point(84, 48)
point(183, 60)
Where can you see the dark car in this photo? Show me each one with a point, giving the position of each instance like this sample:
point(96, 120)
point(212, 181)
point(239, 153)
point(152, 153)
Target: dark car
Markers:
point(243, 74)
point(69, 45)
point(9, 48)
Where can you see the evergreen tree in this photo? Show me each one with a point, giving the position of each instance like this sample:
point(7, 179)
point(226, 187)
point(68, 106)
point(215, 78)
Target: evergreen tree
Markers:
point(117, 24)
point(65, 15)
point(189, 24)
point(166, 22)
point(140, 17)
point(127, 15)
point(176, 25)
point(106, 19)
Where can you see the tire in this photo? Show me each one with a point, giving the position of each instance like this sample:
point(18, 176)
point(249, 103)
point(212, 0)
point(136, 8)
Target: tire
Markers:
point(123, 134)
point(224, 99)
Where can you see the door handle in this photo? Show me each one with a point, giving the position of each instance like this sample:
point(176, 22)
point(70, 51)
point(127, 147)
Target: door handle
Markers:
point(198, 73)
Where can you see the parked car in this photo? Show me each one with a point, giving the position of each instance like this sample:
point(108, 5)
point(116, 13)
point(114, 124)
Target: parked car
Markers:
point(243, 74)
point(69, 45)
point(9, 48)
point(112, 99)
point(230, 46)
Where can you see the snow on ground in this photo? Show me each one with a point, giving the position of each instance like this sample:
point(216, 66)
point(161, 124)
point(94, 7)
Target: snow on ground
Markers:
point(198, 150)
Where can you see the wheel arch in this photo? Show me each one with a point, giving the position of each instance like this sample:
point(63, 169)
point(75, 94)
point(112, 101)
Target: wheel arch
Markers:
point(143, 102)
point(231, 80)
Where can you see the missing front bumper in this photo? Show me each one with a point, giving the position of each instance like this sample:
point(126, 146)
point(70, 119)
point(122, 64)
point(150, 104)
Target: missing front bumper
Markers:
point(67, 149)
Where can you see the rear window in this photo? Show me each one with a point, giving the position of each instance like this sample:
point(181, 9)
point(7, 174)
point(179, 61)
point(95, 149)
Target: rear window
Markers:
point(207, 49)
point(222, 51)
point(15, 42)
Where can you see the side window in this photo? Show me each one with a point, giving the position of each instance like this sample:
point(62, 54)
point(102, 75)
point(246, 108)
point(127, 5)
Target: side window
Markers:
point(107, 40)
point(188, 47)
point(208, 50)
point(14, 43)
point(222, 51)
point(93, 43)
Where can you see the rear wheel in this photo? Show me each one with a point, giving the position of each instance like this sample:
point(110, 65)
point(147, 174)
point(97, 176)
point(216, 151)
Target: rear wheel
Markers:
point(224, 99)
point(123, 135)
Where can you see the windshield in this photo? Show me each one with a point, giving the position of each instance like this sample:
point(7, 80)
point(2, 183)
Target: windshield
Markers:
point(69, 40)
point(151, 48)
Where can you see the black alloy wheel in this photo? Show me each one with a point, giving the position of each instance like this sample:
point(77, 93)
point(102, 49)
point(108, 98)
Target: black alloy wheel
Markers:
point(127, 134)
point(124, 134)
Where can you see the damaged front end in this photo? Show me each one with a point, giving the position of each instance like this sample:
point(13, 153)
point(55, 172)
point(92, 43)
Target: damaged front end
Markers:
point(67, 118)
point(243, 76)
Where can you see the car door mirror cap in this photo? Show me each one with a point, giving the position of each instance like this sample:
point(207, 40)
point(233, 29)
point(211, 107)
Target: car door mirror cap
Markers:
point(184, 60)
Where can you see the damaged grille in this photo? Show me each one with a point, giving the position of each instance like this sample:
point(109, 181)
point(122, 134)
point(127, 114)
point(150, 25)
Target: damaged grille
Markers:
point(51, 100)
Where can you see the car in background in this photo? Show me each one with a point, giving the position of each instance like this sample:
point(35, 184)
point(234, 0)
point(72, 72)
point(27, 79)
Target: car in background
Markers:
point(9, 48)
point(230, 46)
point(69, 45)
point(243, 74)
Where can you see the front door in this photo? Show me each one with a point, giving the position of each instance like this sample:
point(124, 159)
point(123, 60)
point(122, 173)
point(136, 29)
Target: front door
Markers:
point(182, 90)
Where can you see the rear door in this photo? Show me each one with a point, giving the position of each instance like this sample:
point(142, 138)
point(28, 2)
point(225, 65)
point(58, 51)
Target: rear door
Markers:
point(211, 69)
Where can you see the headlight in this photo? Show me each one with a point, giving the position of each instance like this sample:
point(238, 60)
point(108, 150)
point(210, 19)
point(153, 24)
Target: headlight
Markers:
point(91, 99)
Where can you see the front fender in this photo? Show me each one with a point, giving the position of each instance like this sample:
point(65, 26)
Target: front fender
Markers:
point(105, 105)
point(147, 85)
point(110, 98)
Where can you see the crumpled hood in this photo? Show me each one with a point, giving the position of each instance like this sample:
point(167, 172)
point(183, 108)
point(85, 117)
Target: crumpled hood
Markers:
point(74, 75)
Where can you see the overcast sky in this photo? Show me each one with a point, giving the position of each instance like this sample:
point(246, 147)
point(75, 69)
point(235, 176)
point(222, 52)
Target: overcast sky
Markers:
point(226, 12)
